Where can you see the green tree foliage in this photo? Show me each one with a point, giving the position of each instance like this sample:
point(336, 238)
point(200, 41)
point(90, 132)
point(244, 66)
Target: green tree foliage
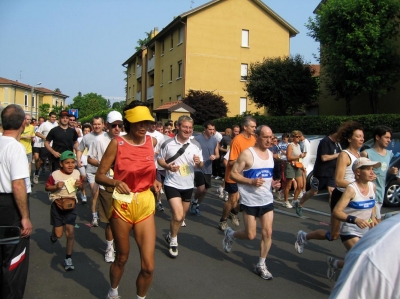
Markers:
point(89, 103)
point(44, 110)
point(119, 106)
point(207, 104)
point(283, 85)
point(358, 47)
point(142, 42)
point(57, 109)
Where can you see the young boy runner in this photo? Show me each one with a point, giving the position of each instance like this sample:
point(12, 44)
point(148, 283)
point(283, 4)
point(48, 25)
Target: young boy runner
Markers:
point(63, 183)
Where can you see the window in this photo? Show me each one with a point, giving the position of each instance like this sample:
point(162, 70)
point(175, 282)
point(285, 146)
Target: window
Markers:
point(26, 100)
point(170, 99)
point(162, 77)
point(33, 100)
point(245, 38)
point(170, 73)
point(243, 72)
point(162, 47)
point(130, 93)
point(172, 41)
point(242, 105)
point(56, 103)
point(179, 97)
point(180, 69)
point(180, 35)
point(61, 103)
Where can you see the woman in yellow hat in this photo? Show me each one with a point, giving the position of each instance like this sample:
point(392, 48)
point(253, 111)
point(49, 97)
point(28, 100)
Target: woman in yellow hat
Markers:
point(133, 207)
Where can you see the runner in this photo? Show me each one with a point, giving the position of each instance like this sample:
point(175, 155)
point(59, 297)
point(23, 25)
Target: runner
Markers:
point(253, 171)
point(179, 156)
point(42, 133)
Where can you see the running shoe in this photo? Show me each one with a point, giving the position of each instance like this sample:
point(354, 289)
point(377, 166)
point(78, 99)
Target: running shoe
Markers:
point(183, 223)
point(279, 195)
point(173, 249)
point(220, 192)
point(301, 240)
point(331, 271)
point(218, 177)
point(160, 207)
point(84, 199)
point(68, 266)
point(226, 197)
point(234, 218)
point(223, 225)
point(287, 205)
point(95, 222)
point(263, 272)
point(227, 242)
point(192, 208)
point(168, 238)
point(113, 297)
point(109, 257)
point(299, 210)
point(36, 179)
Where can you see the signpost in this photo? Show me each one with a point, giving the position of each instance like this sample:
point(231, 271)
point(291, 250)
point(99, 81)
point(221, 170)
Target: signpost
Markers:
point(74, 112)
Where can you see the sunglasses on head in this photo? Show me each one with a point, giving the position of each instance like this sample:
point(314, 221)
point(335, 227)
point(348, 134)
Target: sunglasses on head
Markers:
point(115, 125)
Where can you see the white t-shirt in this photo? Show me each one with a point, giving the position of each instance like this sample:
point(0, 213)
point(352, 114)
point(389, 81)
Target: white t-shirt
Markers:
point(306, 148)
point(44, 129)
point(218, 136)
point(98, 148)
point(13, 164)
point(371, 268)
point(180, 179)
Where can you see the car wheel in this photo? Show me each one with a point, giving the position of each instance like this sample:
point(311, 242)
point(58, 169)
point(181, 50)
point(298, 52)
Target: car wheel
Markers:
point(392, 196)
point(308, 180)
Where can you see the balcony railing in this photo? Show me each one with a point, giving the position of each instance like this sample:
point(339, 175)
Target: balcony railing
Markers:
point(138, 71)
point(150, 65)
point(138, 96)
point(150, 93)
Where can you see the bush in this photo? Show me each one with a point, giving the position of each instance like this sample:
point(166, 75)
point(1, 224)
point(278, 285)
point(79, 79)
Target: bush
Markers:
point(318, 125)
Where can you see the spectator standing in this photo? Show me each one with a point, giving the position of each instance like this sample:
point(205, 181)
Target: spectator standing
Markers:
point(26, 139)
point(14, 209)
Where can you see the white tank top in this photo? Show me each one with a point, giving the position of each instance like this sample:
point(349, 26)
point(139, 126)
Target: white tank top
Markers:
point(349, 174)
point(361, 207)
point(253, 196)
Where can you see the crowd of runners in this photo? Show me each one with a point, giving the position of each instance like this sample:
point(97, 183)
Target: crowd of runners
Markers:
point(132, 164)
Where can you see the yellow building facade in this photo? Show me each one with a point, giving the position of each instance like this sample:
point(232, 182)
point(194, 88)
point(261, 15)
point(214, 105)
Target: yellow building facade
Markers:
point(208, 48)
point(28, 97)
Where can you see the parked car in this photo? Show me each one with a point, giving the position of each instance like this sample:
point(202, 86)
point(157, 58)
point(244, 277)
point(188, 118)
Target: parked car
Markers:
point(314, 142)
point(392, 190)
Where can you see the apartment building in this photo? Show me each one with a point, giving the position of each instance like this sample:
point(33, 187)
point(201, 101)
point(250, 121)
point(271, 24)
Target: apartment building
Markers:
point(28, 97)
point(208, 48)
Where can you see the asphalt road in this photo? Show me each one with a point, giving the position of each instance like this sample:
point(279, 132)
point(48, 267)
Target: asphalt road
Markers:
point(202, 269)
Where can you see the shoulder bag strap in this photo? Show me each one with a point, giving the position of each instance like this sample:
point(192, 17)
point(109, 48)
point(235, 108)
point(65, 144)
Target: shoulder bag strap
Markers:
point(178, 153)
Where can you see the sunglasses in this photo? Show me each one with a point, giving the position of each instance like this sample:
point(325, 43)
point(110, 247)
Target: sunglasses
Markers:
point(115, 125)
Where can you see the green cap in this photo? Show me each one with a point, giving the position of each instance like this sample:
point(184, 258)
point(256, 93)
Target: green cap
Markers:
point(67, 155)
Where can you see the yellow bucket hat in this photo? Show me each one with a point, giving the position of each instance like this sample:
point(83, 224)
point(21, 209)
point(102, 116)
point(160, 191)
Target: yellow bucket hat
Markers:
point(137, 114)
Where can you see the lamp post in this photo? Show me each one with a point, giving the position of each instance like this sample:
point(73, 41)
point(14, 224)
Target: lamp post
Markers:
point(33, 98)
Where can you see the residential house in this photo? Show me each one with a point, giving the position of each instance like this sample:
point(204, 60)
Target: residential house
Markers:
point(28, 97)
point(208, 48)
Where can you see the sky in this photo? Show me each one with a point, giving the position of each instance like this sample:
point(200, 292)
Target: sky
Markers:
point(80, 45)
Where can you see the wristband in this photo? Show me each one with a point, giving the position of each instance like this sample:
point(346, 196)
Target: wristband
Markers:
point(351, 219)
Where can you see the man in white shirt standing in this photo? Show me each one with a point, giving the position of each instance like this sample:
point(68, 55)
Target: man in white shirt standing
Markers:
point(14, 209)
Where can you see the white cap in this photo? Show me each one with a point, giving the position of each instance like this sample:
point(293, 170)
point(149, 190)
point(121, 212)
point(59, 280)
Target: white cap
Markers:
point(113, 116)
point(360, 162)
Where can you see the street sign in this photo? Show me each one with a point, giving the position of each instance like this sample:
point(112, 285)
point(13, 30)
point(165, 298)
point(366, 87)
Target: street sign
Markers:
point(74, 112)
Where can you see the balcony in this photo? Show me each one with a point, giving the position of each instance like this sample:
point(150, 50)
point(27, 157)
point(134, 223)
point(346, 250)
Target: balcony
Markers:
point(150, 64)
point(138, 71)
point(150, 93)
point(138, 96)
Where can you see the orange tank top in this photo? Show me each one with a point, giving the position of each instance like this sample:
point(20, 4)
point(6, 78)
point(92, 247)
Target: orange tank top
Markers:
point(134, 164)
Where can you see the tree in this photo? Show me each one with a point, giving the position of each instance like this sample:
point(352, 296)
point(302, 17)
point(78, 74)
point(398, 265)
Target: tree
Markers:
point(283, 85)
point(207, 104)
point(358, 47)
point(57, 109)
point(119, 106)
point(142, 42)
point(44, 110)
point(89, 103)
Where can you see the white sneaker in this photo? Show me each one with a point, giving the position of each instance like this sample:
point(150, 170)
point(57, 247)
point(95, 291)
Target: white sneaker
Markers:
point(262, 270)
point(287, 205)
point(68, 266)
point(84, 199)
point(183, 223)
point(226, 196)
point(300, 241)
point(220, 192)
point(226, 241)
point(36, 179)
point(109, 257)
point(95, 222)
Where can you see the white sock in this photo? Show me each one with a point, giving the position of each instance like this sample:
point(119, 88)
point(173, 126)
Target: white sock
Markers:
point(95, 215)
point(261, 261)
point(110, 244)
point(220, 190)
point(138, 297)
point(113, 292)
point(174, 239)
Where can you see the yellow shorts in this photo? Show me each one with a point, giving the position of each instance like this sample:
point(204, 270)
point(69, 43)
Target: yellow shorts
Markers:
point(142, 206)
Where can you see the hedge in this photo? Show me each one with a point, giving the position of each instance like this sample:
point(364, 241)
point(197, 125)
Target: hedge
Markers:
point(314, 125)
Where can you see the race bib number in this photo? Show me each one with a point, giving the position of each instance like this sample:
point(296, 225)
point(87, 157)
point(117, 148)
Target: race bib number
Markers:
point(122, 197)
point(184, 170)
point(70, 185)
